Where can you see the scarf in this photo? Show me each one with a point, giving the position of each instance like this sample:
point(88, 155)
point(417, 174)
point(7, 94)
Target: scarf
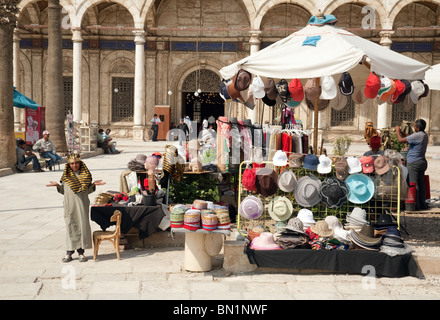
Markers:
point(80, 183)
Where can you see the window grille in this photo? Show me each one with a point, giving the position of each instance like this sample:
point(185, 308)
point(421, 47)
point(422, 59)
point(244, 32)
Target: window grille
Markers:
point(68, 95)
point(122, 98)
point(345, 116)
point(399, 114)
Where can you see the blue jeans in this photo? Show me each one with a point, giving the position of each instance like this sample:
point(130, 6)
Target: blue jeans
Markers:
point(35, 163)
point(54, 158)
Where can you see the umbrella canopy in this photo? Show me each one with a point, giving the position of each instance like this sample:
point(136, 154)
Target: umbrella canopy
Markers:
point(21, 101)
point(432, 77)
point(326, 50)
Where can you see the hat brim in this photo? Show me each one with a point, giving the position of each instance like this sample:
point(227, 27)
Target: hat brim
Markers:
point(284, 217)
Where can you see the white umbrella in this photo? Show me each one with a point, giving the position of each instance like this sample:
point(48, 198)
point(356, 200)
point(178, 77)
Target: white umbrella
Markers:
point(325, 50)
point(432, 77)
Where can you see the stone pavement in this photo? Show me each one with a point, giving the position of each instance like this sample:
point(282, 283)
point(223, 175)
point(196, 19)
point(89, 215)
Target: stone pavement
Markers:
point(32, 234)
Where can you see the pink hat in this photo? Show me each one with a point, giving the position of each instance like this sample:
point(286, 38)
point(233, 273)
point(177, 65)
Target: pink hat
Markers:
point(264, 242)
point(367, 164)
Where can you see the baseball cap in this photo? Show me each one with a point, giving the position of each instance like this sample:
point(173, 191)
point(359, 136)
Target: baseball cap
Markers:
point(328, 88)
point(346, 85)
point(46, 132)
point(372, 86)
point(296, 90)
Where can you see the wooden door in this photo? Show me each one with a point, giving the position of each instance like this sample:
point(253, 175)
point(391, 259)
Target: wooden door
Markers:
point(163, 112)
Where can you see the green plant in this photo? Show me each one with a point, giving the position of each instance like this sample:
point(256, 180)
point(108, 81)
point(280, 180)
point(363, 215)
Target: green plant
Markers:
point(398, 146)
point(341, 145)
point(192, 187)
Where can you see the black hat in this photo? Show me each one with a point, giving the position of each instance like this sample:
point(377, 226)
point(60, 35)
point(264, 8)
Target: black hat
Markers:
point(346, 84)
point(283, 90)
point(384, 221)
point(268, 101)
point(334, 193)
point(406, 92)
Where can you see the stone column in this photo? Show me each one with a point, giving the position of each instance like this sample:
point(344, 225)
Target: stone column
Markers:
point(16, 58)
point(254, 43)
point(77, 74)
point(383, 110)
point(139, 86)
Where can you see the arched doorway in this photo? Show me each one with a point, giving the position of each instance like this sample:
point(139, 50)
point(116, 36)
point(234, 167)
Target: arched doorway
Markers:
point(200, 96)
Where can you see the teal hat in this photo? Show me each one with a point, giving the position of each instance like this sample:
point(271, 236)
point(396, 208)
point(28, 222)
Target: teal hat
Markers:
point(361, 188)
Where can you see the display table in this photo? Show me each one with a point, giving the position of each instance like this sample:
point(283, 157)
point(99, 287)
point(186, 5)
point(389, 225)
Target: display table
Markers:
point(364, 262)
point(200, 247)
point(145, 219)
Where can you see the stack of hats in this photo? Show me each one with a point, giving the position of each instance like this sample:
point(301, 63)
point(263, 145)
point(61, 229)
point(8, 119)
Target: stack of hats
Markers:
point(306, 217)
point(365, 238)
point(255, 232)
point(384, 221)
point(200, 205)
point(191, 220)
point(393, 243)
point(224, 222)
point(356, 219)
point(209, 220)
point(293, 236)
point(177, 216)
point(339, 233)
point(264, 242)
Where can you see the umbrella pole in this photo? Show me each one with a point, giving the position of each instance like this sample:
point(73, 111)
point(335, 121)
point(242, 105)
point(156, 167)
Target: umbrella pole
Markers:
point(315, 121)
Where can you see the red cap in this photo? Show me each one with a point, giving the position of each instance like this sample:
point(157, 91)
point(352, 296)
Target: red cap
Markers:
point(400, 88)
point(375, 142)
point(249, 178)
point(296, 90)
point(367, 164)
point(372, 86)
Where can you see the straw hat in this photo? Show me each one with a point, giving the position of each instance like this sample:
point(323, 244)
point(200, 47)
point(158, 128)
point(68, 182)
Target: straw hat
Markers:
point(365, 238)
point(307, 191)
point(322, 229)
point(280, 208)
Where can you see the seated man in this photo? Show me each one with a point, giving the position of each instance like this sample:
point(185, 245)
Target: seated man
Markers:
point(109, 139)
point(25, 156)
point(47, 149)
point(102, 142)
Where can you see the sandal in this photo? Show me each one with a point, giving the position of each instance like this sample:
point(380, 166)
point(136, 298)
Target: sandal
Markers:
point(67, 258)
point(82, 258)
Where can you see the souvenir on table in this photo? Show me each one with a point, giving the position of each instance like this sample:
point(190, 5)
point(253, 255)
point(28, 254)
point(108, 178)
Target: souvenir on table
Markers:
point(280, 208)
point(287, 181)
point(393, 244)
point(356, 218)
point(361, 188)
point(266, 182)
point(251, 208)
point(191, 220)
point(209, 221)
point(264, 242)
point(224, 221)
point(325, 164)
point(334, 193)
point(307, 191)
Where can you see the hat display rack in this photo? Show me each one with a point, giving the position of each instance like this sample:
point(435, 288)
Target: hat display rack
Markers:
point(386, 197)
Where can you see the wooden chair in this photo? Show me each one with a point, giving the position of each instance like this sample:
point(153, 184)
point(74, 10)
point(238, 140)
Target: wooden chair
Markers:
point(113, 236)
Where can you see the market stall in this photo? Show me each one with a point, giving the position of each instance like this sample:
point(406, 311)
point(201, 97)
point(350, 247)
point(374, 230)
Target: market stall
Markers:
point(297, 208)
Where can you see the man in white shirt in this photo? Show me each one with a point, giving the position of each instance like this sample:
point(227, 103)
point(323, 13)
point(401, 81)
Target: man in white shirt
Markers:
point(155, 121)
point(47, 149)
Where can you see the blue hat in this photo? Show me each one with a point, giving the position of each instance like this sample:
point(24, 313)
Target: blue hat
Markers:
point(311, 162)
point(361, 188)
